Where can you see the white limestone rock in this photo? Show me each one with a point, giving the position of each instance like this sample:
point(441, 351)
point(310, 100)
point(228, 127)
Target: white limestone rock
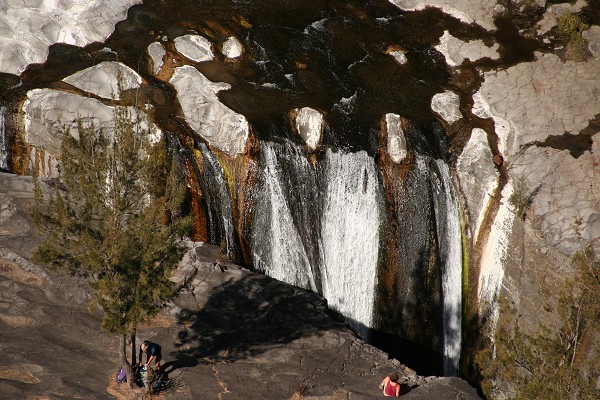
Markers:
point(195, 47)
point(530, 102)
point(494, 258)
point(399, 56)
point(232, 48)
point(309, 125)
point(481, 12)
point(102, 79)
point(48, 113)
point(592, 36)
point(156, 52)
point(217, 123)
point(456, 51)
point(446, 105)
point(542, 98)
point(566, 200)
point(477, 176)
point(396, 140)
point(29, 27)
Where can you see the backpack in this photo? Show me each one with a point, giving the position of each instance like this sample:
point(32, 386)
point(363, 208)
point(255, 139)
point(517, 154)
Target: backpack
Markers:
point(121, 375)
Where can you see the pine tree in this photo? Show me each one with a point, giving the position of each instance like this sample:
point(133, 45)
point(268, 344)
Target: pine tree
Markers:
point(114, 218)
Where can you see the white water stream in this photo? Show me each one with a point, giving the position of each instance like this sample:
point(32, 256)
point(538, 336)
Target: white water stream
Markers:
point(350, 235)
point(278, 247)
point(450, 247)
point(347, 209)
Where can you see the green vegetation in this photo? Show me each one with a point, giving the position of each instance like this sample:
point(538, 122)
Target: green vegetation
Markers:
point(521, 196)
point(570, 28)
point(558, 361)
point(113, 219)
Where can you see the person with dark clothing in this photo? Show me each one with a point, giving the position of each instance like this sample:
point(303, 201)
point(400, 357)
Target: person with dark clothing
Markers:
point(153, 353)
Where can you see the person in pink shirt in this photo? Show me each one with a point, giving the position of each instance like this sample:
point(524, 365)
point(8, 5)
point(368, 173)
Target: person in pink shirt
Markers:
point(390, 386)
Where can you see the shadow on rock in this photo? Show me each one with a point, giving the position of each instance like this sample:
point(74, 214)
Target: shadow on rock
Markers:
point(245, 317)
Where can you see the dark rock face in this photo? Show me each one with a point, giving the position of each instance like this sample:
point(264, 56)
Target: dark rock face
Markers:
point(234, 333)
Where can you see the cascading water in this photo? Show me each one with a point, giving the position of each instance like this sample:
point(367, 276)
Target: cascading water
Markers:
point(279, 249)
point(218, 201)
point(450, 253)
point(318, 226)
point(3, 142)
point(350, 235)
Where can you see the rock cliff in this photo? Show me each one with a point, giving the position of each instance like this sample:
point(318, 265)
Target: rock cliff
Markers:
point(418, 163)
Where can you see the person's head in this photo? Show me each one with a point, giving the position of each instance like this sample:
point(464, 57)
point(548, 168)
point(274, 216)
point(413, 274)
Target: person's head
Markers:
point(394, 377)
point(144, 345)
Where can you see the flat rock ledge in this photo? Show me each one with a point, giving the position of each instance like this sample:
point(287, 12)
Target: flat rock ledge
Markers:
point(231, 334)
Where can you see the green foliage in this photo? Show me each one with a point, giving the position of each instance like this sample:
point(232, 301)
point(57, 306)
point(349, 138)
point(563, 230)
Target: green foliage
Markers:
point(521, 196)
point(570, 28)
point(570, 25)
point(110, 219)
point(555, 362)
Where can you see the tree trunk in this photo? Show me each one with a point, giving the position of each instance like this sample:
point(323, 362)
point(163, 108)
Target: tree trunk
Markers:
point(134, 361)
point(125, 363)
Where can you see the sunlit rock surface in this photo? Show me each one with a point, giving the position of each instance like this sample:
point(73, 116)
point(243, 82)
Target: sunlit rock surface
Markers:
point(309, 125)
point(156, 52)
point(217, 123)
point(542, 104)
point(232, 48)
point(50, 112)
point(479, 12)
point(106, 79)
point(592, 35)
point(399, 55)
point(456, 51)
point(477, 176)
point(27, 27)
point(446, 105)
point(196, 48)
point(396, 141)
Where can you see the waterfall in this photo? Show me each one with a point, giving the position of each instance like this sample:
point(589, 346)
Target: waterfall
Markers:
point(218, 201)
point(450, 251)
point(350, 235)
point(3, 141)
point(317, 227)
point(279, 248)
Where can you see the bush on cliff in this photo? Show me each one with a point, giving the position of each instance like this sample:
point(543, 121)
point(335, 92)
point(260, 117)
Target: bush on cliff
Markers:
point(555, 362)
